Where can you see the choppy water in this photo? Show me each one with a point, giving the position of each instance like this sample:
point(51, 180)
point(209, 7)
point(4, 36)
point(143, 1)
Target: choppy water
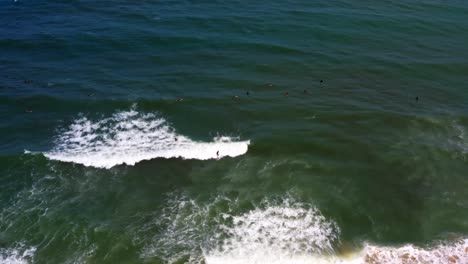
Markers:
point(233, 131)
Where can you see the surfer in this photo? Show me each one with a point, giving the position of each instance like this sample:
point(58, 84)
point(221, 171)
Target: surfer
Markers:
point(217, 154)
point(286, 94)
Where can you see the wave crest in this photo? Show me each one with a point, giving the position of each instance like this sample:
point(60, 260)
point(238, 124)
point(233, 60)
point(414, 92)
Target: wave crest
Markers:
point(129, 137)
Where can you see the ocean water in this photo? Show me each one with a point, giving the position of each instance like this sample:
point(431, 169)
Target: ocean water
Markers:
point(233, 131)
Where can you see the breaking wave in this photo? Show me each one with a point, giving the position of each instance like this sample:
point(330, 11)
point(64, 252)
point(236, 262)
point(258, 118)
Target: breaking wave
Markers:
point(455, 252)
point(288, 232)
point(129, 137)
point(222, 231)
point(451, 253)
point(274, 231)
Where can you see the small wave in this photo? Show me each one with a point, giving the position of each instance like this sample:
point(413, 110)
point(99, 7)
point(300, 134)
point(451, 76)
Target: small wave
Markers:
point(129, 137)
point(19, 255)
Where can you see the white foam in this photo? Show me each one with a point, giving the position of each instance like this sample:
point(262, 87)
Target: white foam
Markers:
point(273, 232)
point(200, 233)
point(455, 252)
point(17, 255)
point(287, 227)
point(129, 137)
point(282, 257)
point(451, 253)
point(445, 253)
point(459, 141)
point(288, 232)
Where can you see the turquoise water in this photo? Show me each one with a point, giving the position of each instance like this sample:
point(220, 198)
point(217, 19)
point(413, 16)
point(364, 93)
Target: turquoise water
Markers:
point(233, 132)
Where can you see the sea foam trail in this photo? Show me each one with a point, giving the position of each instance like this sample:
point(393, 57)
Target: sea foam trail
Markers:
point(129, 137)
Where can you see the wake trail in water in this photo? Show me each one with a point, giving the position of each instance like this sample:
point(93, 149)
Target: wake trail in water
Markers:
point(129, 137)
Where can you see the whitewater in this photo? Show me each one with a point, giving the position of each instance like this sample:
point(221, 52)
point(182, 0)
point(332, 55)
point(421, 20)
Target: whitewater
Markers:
point(128, 137)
